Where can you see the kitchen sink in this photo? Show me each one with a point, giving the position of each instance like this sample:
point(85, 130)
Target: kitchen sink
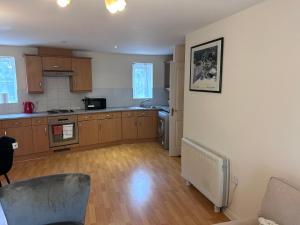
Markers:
point(149, 107)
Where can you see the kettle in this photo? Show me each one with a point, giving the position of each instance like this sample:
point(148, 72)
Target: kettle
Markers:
point(28, 107)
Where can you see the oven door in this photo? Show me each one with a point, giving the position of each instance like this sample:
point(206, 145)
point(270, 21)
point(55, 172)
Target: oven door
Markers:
point(63, 133)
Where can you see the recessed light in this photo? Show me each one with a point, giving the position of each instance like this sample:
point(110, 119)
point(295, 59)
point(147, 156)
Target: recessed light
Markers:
point(116, 46)
point(63, 3)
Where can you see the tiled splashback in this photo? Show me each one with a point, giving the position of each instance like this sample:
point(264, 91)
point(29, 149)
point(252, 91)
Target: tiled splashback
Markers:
point(57, 95)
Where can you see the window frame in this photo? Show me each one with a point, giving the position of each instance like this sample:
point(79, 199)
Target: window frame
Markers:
point(15, 81)
point(133, 81)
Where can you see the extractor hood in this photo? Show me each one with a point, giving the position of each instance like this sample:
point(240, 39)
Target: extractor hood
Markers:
point(58, 73)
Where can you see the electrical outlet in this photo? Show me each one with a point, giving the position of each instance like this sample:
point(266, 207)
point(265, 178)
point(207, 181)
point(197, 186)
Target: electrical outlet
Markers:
point(235, 180)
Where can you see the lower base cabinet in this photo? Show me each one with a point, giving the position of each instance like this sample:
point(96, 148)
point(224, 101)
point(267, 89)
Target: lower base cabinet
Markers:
point(147, 127)
point(129, 128)
point(88, 132)
point(40, 136)
point(110, 130)
point(23, 135)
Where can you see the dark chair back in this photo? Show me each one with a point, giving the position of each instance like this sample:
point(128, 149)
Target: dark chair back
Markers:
point(6, 154)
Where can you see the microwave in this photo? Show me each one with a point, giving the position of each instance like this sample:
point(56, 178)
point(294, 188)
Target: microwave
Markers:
point(94, 103)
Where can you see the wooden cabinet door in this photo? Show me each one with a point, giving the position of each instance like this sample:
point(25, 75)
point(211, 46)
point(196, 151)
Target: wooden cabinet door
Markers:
point(34, 73)
point(57, 63)
point(23, 136)
point(82, 78)
point(88, 132)
point(147, 127)
point(110, 130)
point(129, 128)
point(40, 136)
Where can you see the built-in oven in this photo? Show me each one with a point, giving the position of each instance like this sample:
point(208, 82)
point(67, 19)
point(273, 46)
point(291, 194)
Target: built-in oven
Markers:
point(63, 131)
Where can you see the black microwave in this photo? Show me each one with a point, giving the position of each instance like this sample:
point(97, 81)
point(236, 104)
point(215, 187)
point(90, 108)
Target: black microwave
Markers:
point(94, 103)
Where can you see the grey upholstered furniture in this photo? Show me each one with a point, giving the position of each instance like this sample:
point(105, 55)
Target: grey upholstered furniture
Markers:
point(281, 204)
point(45, 200)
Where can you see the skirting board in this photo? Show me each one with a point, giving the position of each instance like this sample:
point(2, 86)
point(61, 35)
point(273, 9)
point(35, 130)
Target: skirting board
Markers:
point(231, 215)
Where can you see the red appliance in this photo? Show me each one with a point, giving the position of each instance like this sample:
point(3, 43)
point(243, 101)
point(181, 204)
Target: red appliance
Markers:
point(28, 107)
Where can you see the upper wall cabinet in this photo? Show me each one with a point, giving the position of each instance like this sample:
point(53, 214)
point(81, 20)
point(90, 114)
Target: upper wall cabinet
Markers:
point(34, 73)
point(57, 63)
point(81, 81)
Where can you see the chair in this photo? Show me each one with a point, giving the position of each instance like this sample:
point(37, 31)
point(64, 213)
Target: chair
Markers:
point(281, 204)
point(6, 156)
point(57, 199)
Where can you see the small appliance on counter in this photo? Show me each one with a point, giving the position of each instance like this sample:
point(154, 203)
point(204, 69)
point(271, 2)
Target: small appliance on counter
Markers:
point(94, 103)
point(28, 107)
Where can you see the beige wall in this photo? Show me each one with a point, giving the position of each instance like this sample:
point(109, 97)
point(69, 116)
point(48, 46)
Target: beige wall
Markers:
point(114, 70)
point(255, 122)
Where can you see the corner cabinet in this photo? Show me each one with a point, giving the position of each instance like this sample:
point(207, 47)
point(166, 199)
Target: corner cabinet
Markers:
point(81, 81)
point(34, 71)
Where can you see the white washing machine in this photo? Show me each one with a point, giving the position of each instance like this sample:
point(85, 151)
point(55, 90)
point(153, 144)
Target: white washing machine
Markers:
point(163, 129)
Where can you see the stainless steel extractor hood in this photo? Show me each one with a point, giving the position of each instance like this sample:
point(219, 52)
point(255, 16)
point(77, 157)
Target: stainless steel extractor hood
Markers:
point(57, 73)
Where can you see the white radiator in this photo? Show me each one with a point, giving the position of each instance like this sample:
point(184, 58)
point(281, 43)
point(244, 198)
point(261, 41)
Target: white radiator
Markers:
point(207, 171)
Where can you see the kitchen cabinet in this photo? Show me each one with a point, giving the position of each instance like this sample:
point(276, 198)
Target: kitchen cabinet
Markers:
point(34, 72)
point(139, 125)
point(23, 136)
point(57, 63)
point(81, 81)
point(21, 130)
point(88, 132)
point(110, 130)
point(129, 128)
point(40, 136)
point(147, 127)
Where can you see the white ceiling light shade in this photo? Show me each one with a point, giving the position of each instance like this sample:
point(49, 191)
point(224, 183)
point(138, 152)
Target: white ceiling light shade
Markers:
point(63, 3)
point(114, 6)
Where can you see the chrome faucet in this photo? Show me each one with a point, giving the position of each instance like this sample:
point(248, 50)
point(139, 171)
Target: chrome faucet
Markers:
point(142, 104)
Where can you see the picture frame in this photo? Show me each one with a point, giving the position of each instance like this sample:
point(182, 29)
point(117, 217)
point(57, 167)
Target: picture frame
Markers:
point(206, 66)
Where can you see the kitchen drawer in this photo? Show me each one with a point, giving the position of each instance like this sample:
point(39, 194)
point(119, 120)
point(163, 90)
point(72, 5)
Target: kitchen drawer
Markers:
point(57, 64)
point(109, 115)
point(0, 124)
point(146, 113)
point(39, 121)
point(128, 114)
point(85, 117)
point(66, 117)
point(16, 123)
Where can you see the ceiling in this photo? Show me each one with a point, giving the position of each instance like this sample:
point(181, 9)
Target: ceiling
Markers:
point(145, 27)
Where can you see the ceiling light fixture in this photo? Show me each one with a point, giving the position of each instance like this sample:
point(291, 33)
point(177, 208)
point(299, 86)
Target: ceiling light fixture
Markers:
point(63, 3)
point(114, 6)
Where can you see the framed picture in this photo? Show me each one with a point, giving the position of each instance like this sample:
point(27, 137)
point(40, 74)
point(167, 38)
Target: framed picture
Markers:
point(206, 66)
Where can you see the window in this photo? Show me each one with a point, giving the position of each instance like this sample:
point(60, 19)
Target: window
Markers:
point(142, 80)
point(8, 81)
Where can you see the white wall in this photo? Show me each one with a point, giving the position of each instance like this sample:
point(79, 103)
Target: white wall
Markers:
point(111, 79)
point(255, 122)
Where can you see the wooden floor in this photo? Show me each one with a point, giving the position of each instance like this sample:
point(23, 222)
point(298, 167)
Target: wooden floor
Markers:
point(134, 184)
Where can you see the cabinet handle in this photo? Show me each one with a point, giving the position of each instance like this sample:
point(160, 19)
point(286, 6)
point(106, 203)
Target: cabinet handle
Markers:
point(40, 84)
point(5, 133)
point(55, 66)
point(45, 130)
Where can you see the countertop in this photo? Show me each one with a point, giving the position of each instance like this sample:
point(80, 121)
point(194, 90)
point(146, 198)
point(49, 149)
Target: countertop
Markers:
point(76, 112)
